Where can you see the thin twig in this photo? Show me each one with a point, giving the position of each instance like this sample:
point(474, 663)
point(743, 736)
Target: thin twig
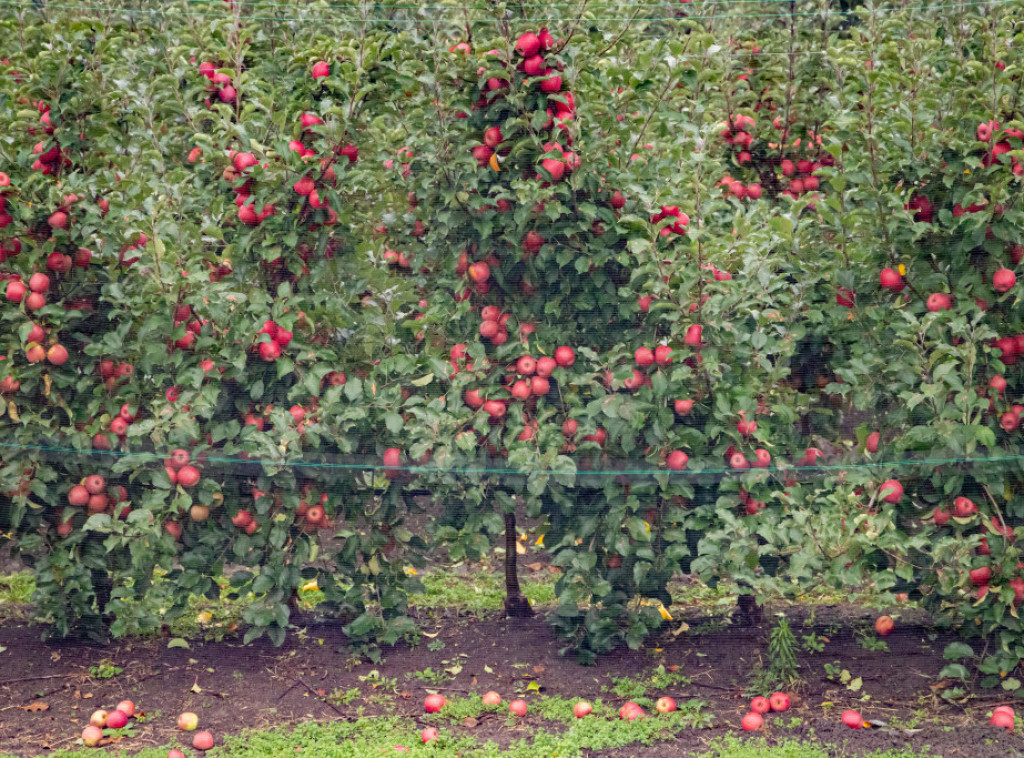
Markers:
point(624, 30)
point(575, 26)
point(36, 678)
point(323, 700)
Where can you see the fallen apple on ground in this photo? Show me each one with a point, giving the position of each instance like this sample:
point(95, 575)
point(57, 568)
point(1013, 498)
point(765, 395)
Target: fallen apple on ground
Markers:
point(581, 709)
point(752, 722)
point(188, 721)
point(91, 736)
point(434, 703)
point(518, 707)
point(116, 720)
point(202, 741)
point(491, 698)
point(853, 719)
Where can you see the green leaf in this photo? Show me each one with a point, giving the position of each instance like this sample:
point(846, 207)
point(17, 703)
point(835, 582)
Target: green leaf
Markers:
point(956, 651)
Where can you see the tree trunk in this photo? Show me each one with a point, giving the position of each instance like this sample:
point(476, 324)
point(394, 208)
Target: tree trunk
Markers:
point(516, 606)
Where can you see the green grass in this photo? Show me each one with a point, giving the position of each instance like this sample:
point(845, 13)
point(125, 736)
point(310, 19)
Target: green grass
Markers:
point(480, 592)
point(379, 736)
point(15, 593)
point(477, 593)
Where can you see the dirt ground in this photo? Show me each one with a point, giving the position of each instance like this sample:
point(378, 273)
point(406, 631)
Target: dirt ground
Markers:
point(230, 685)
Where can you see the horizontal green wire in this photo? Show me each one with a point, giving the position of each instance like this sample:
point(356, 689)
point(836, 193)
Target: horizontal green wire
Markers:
point(573, 4)
point(322, 19)
point(552, 472)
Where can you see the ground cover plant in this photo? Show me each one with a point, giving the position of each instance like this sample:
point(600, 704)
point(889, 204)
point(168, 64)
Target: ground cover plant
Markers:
point(299, 297)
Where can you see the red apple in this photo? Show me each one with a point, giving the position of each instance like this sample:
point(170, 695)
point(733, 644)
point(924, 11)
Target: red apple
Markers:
point(57, 355)
point(565, 356)
point(429, 735)
point(964, 507)
point(631, 712)
point(117, 720)
point(41, 283)
point(91, 736)
point(665, 705)
point(677, 460)
point(853, 719)
point(434, 703)
point(752, 722)
point(16, 290)
point(760, 705)
point(517, 707)
point(1002, 280)
point(891, 491)
point(884, 625)
point(871, 443)
point(581, 709)
point(491, 698)
point(188, 476)
point(779, 701)
point(683, 407)
point(980, 576)
point(202, 741)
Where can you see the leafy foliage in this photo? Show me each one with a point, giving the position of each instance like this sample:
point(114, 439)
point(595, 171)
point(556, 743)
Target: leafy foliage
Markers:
point(290, 231)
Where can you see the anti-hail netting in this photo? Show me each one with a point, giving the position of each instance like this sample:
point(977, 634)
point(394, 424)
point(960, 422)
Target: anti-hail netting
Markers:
point(330, 293)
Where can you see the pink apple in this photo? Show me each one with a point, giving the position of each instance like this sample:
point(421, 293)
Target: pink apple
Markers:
point(752, 722)
point(491, 698)
point(188, 721)
point(853, 719)
point(91, 736)
point(429, 735)
point(665, 705)
point(98, 718)
point(518, 707)
point(582, 708)
point(434, 703)
point(202, 741)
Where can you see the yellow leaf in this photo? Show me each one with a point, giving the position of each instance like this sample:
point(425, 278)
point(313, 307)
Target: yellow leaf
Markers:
point(410, 571)
point(664, 613)
point(12, 410)
point(520, 550)
point(494, 162)
point(204, 618)
point(540, 540)
point(310, 586)
point(683, 627)
point(47, 383)
point(902, 269)
point(533, 687)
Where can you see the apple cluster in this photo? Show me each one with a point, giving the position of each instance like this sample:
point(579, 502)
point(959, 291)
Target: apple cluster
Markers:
point(92, 735)
point(759, 706)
